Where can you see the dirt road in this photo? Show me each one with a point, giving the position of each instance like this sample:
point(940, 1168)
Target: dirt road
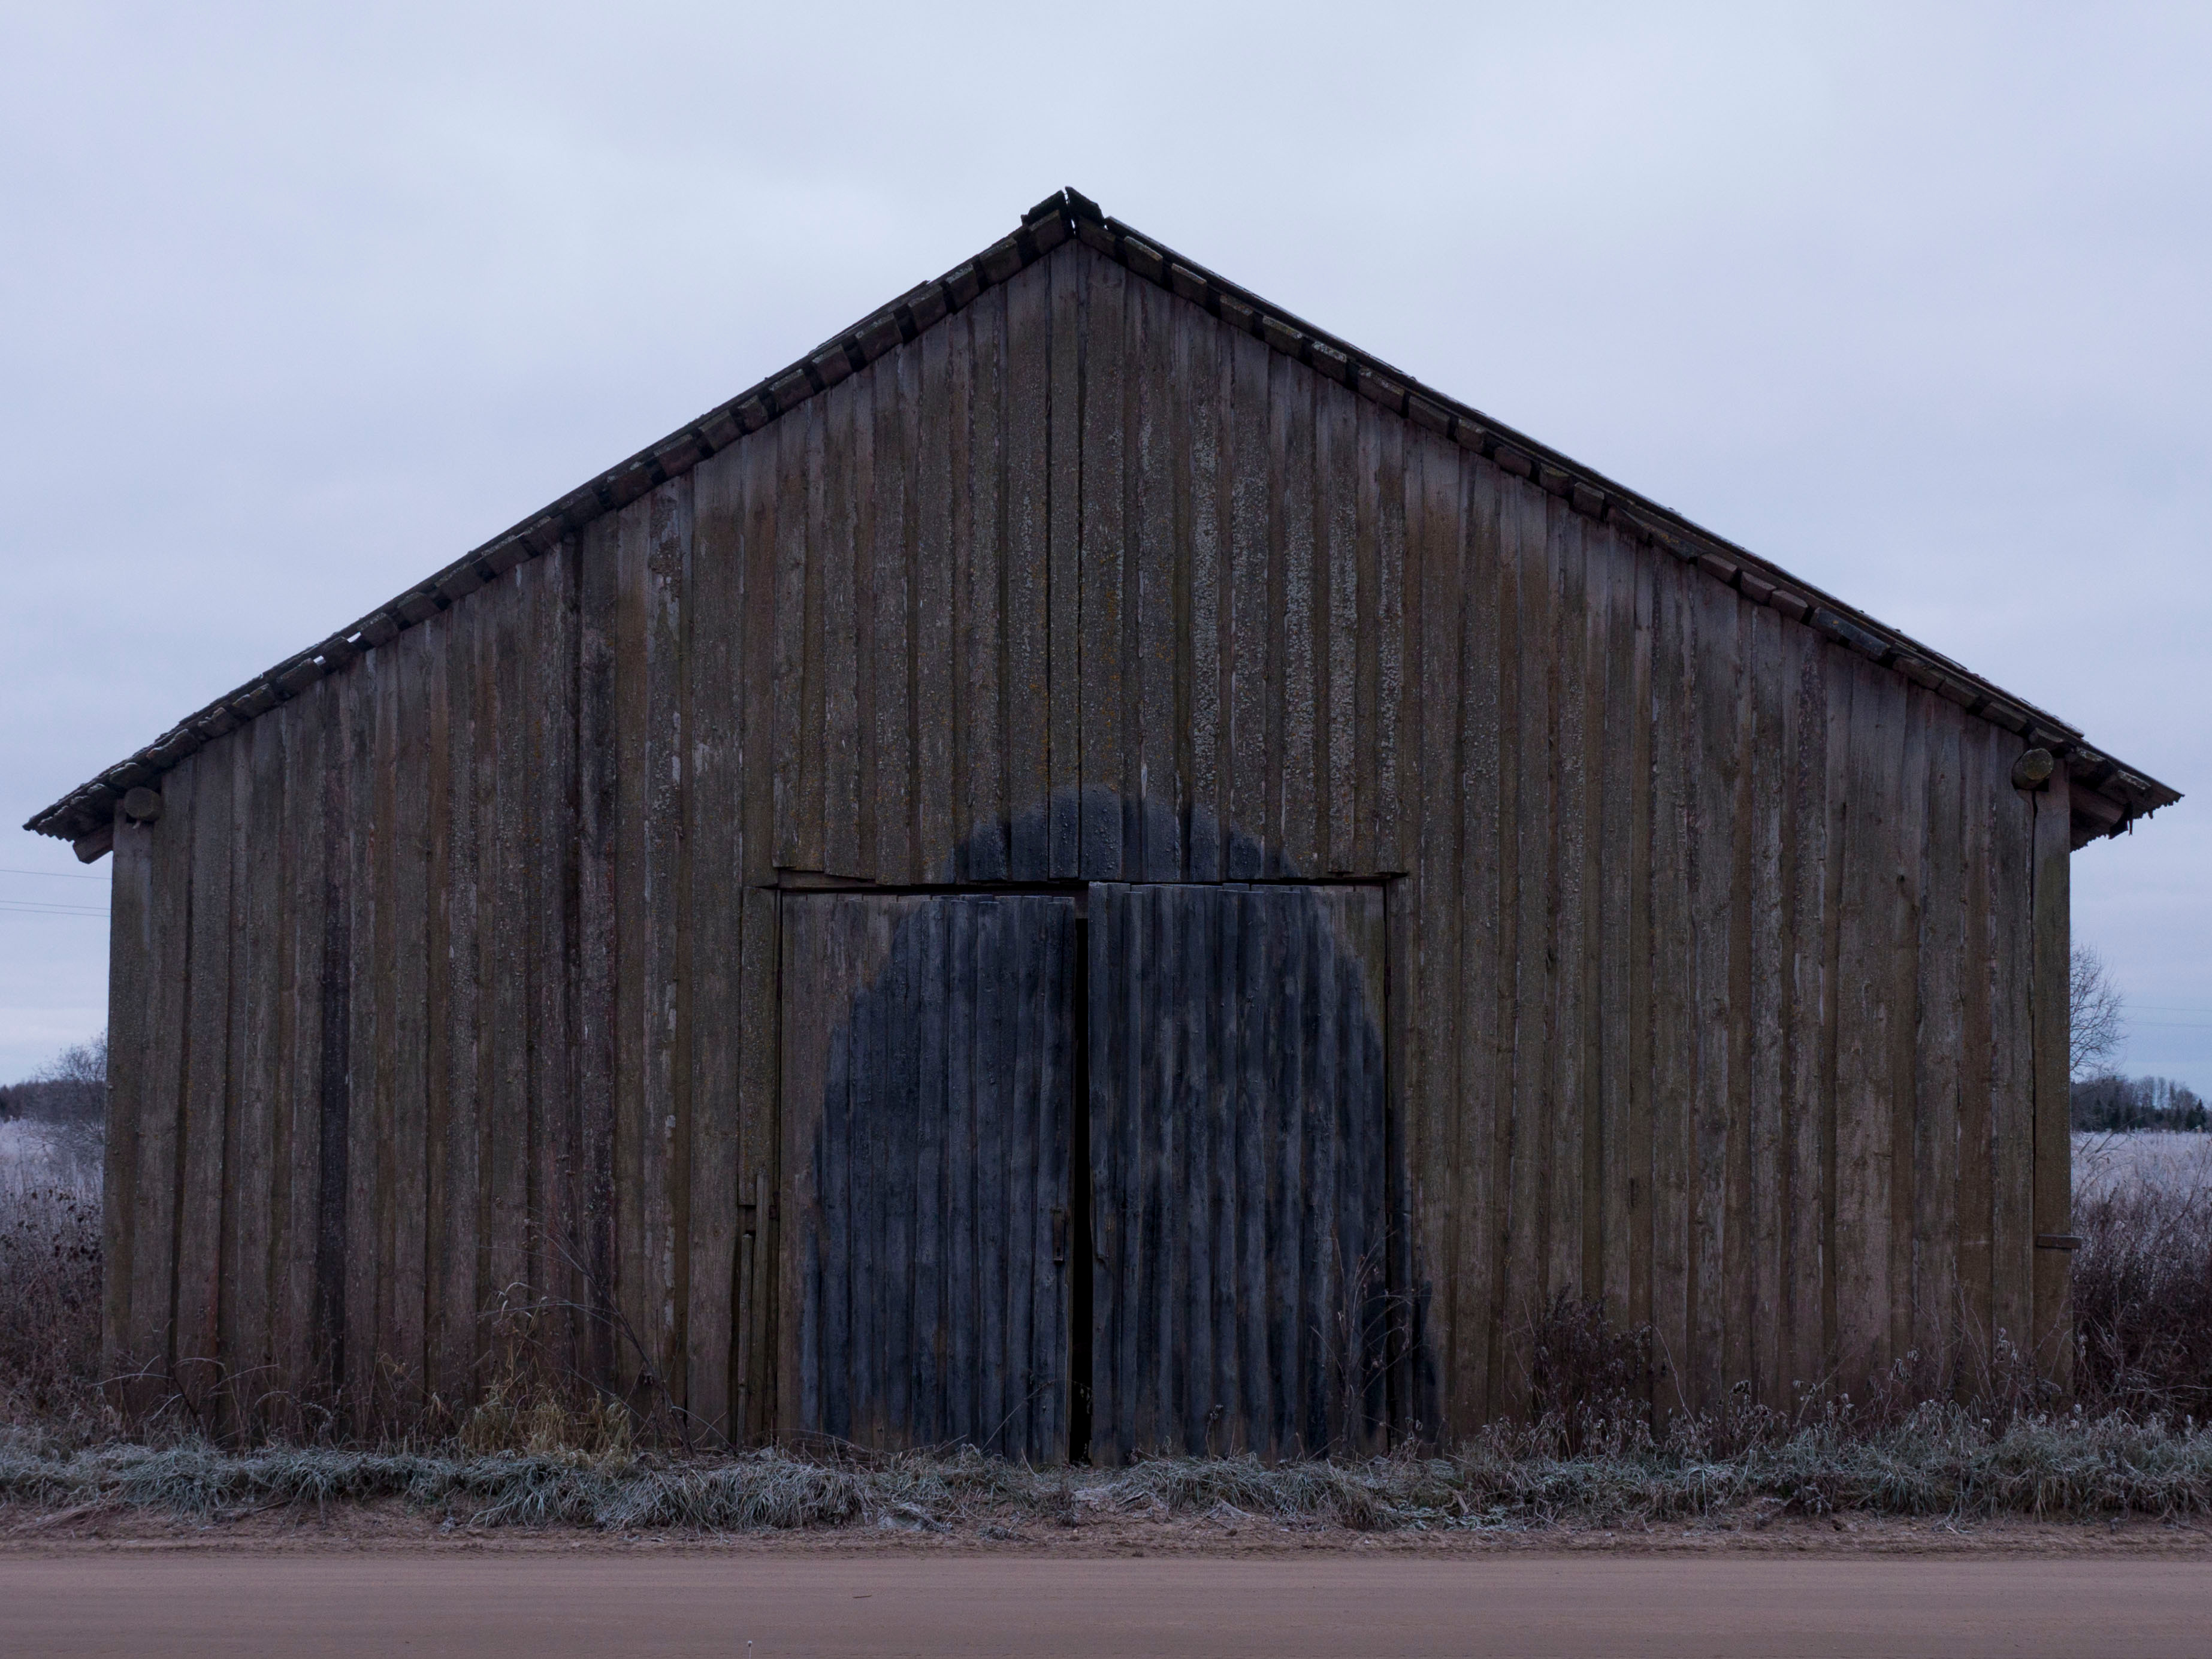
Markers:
point(545, 1606)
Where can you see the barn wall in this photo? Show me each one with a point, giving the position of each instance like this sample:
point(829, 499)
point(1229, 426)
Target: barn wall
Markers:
point(451, 984)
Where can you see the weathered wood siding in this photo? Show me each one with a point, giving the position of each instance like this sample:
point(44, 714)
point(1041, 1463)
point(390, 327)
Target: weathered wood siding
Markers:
point(1724, 967)
point(1239, 1152)
point(928, 1109)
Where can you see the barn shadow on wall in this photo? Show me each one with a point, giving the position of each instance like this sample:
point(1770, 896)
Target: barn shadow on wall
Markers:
point(1102, 1170)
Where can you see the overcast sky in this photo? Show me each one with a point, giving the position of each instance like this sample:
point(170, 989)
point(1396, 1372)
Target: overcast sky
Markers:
point(300, 304)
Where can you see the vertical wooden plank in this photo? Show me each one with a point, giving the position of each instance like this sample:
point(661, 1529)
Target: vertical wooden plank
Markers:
point(1232, 1205)
point(1736, 1357)
point(1613, 579)
point(1290, 919)
point(1431, 1054)
point(1714, 763)
point(2054, 1153)
point(927, 1422)
point(1342, 770)
point(366, 832)
point(1590, 668)
point(1642, 855)
point(1464, 1122)
point(334, 1079)
point(550, 873)
point(462, 1296)
point(1107, 597)
point(1938, 1049)
point(1568, 931)
point(875, 391)
point(1195, 443)
point(663, 1161)
point(249, 1237)
point(392, 1390)
point(764, 1327)
point(983, 457)
point(1867, 1036)
point(1811, 1000)
point(636, 1147)
point(1295, 711)
point(892, 644)
point(1110, 1025)
point(1030, 686)
point(996, 1082)
point(1069, 268)
point(1250, 629)
point(1158, 580)
point(1260, 970)
point(598, 904)
point(410, 667)
point(835, 487)
point(961, 1298)
point(779, 450)
point(1393, 731)
point(2012, 1090)
point(299, 1150)
point(1155, 1233)
point(134, 1070)
point(502, 648)
point(931, 415)
point(1197, 1205)
point(1976, 1156)
point(1908, 882)
point(713, 806)
point(1370, 719)
point(206, 1083)
point(1769, 928)
point(809, 1017)
point(1533, 897)
point(1842, 704)
point(897, 1114)
point(802, 482)
point(1054, 926)
point(1027, 1100)
point(1674, 1001)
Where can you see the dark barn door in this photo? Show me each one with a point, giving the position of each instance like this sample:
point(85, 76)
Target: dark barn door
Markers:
point(928, 1075)
point(1239, 1170)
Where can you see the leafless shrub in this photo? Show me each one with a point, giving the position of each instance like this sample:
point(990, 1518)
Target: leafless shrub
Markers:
point(2143, 1297)
point(1592, 1380)
point(49, 1292)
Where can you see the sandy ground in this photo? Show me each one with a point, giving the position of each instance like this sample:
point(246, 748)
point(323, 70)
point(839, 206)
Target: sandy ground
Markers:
point(548, 1603)
point(383, 1580)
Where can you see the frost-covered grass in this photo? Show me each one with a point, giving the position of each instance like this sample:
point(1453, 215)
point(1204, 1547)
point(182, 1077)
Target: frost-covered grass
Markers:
point(2104, 1163)
point(1938, 1462)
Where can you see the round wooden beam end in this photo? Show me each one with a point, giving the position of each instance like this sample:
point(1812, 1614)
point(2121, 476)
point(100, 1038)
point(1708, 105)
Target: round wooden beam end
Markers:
point(142, 805)
point(2032, 769)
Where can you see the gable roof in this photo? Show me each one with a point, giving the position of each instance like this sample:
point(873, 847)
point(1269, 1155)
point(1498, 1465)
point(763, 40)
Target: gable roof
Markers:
point(2120, 794)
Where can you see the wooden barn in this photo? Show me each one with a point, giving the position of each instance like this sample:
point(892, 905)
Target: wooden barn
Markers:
point(1089, 869)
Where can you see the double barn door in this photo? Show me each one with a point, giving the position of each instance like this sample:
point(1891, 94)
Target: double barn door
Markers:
point(1071, 1175)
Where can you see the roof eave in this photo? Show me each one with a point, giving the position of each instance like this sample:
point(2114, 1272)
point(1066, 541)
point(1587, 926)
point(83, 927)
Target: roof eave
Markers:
point(1064, 215)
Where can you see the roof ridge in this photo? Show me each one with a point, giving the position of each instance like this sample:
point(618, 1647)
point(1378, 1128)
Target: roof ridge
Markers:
point(1065, 215)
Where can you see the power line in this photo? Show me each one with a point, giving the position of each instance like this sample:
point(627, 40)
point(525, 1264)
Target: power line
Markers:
point(21, 907)
point(59, 875)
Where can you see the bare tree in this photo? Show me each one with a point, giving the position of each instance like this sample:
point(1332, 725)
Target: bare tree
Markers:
point(2096, 1014)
